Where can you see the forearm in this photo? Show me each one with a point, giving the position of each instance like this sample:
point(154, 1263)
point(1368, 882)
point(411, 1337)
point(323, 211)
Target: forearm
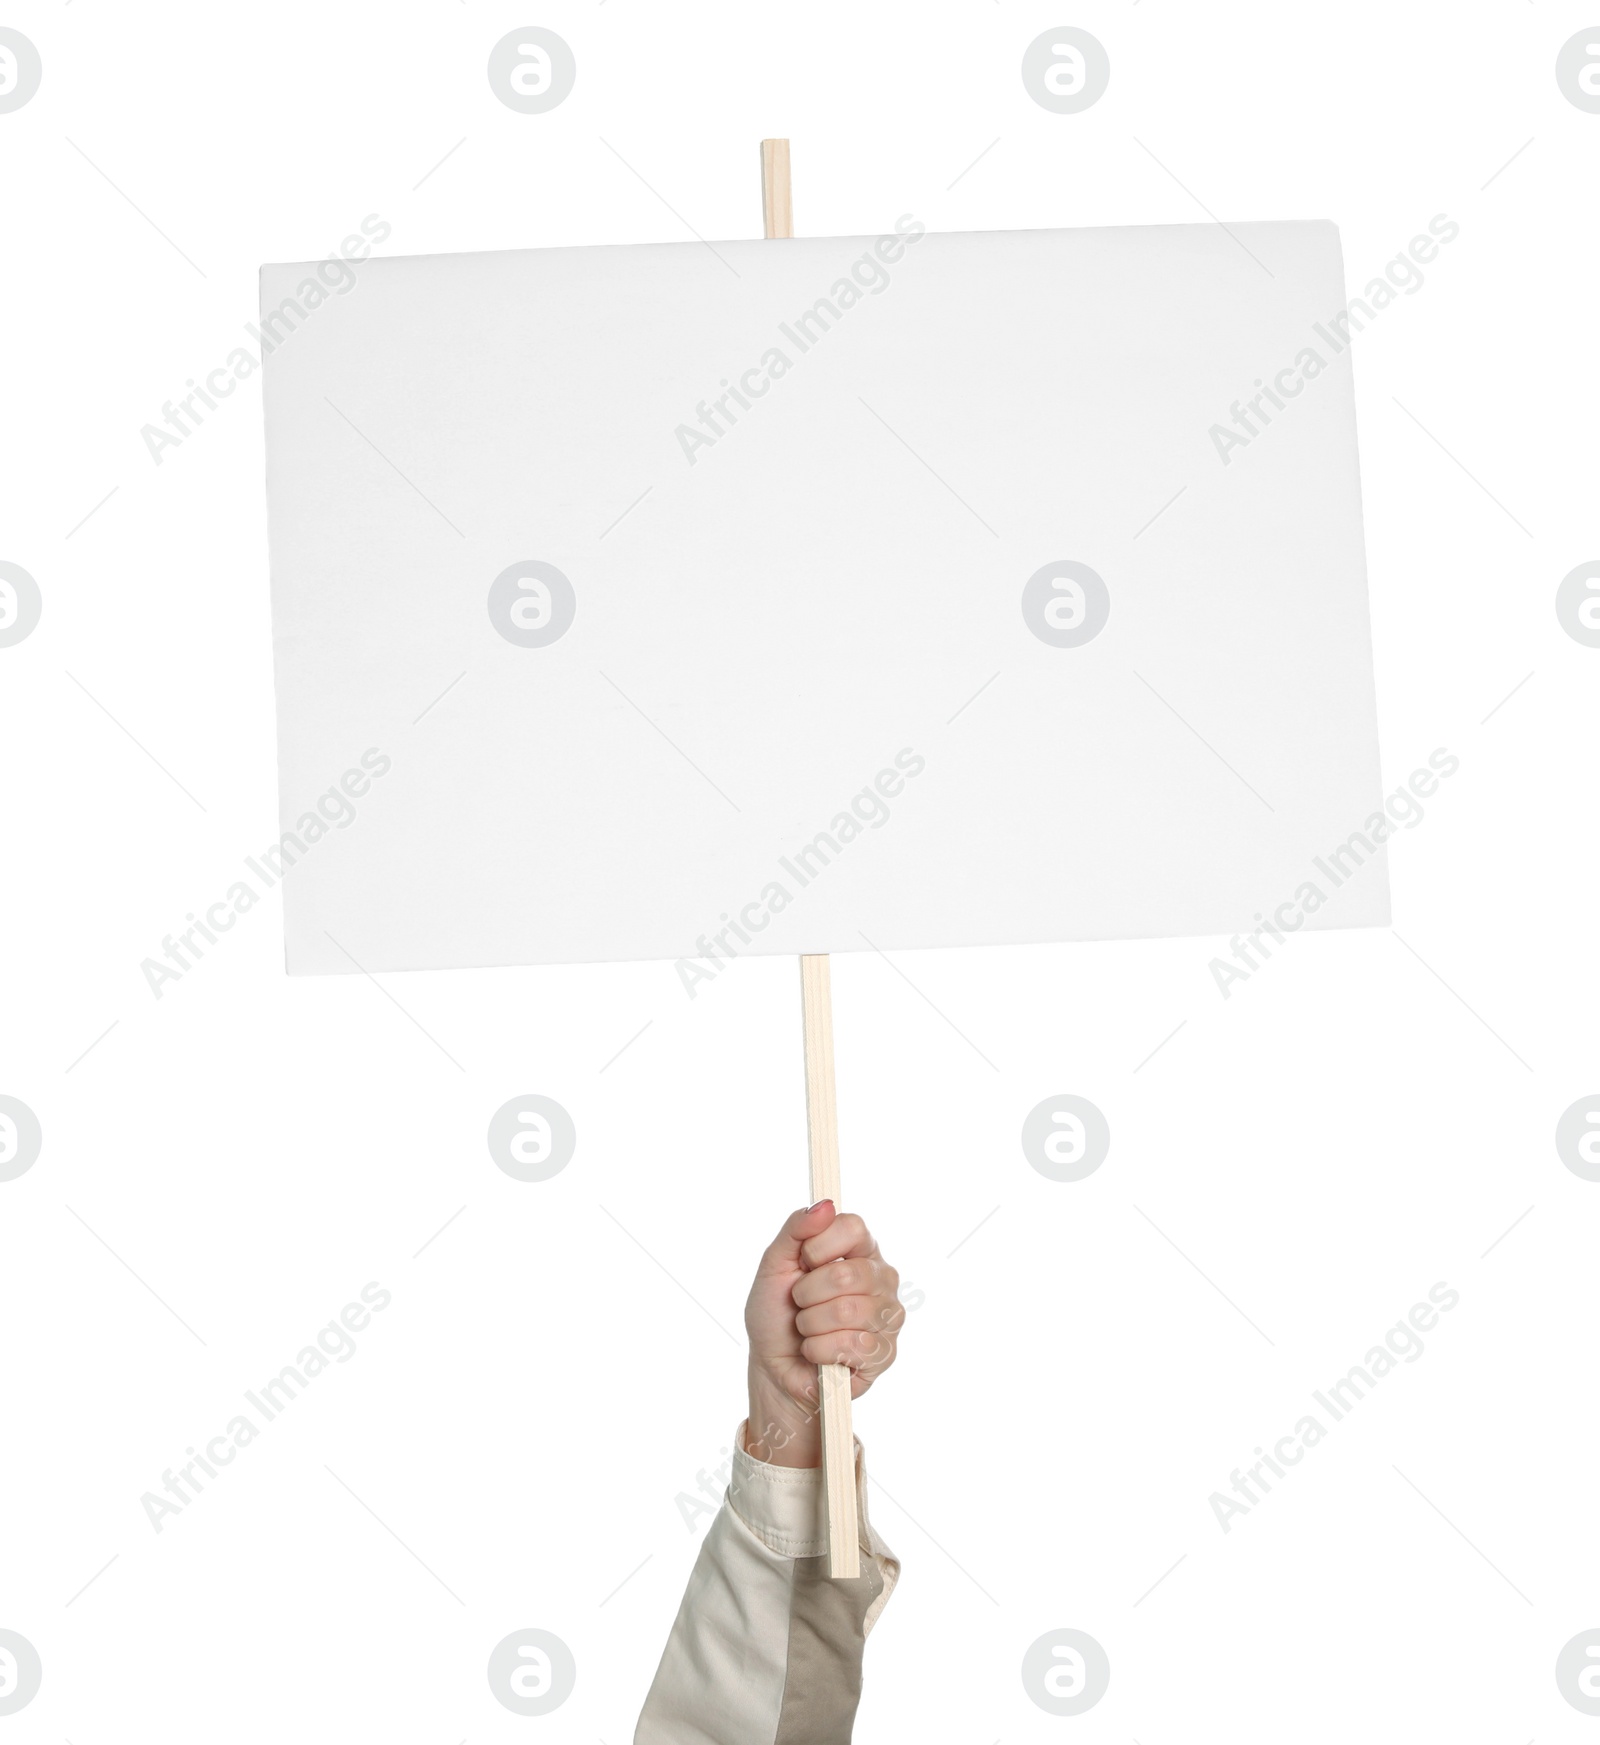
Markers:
point(781, 1430)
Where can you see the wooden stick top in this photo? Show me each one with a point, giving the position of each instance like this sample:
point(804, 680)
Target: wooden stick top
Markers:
point(777, 209)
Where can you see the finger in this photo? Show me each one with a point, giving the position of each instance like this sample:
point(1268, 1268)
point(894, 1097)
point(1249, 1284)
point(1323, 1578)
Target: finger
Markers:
point(784, 1251)
point(845, 1237)
point(863, 1277)
point(871, 1353)
point(862, 1314)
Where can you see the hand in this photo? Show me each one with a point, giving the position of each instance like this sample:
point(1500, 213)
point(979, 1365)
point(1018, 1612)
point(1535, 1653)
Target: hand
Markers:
point(822, 1294)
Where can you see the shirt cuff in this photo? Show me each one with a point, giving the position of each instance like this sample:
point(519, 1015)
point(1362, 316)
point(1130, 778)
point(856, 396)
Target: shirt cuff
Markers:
point(784, 1506)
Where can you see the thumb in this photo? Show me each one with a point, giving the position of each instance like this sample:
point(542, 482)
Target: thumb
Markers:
point(783, 1255)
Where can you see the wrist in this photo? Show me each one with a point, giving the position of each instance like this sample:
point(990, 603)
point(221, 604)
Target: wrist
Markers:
point(781, 1430)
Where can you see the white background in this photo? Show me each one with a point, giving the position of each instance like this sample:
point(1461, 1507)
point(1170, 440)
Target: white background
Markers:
point(1368, 1114)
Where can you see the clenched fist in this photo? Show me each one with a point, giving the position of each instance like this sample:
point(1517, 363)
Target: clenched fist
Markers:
point(822, 1294)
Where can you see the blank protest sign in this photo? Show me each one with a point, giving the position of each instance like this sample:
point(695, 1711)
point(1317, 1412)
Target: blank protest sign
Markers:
point(685, 593)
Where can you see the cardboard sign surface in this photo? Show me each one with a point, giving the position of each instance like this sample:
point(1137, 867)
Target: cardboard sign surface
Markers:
point(920, 590)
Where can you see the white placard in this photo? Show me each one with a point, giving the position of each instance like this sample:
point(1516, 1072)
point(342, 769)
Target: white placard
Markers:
point(657, 602)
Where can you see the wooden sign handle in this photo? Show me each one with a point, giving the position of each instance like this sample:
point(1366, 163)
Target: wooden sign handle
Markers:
point(822, 1120)
point(833, 1379)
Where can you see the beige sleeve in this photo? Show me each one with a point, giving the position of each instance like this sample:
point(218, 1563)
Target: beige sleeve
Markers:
point(766, 1650)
